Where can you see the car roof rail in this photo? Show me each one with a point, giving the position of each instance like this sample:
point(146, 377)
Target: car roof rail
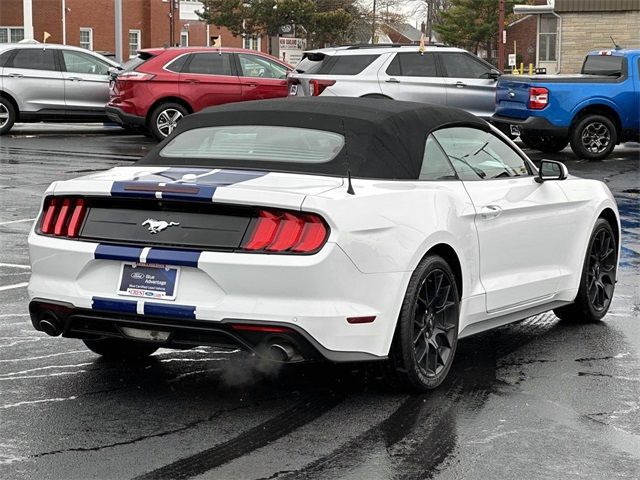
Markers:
point(356, 46)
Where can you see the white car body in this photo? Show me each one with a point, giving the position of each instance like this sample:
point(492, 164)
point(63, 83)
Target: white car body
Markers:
point(526, 261)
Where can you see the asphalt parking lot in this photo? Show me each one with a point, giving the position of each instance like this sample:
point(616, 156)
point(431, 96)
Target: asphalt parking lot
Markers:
point(536, 399)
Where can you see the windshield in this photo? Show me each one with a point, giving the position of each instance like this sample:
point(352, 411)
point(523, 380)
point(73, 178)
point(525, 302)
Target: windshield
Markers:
point(256, 143)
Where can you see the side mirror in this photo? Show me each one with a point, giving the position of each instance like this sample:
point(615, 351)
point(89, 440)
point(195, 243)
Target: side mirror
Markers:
point(494, 74)
point(551, 170)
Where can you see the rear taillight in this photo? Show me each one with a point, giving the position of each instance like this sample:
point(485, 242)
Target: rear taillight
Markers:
point(538, 98)
point(63, 217)
point(134, 76)
point(316, 87)
point(286, 232)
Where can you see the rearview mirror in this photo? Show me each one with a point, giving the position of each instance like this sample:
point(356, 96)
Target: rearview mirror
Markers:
point(551, 170)
point(494, 74)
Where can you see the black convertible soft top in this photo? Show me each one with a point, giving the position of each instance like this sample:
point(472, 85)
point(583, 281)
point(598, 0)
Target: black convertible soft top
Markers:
point(384, 139)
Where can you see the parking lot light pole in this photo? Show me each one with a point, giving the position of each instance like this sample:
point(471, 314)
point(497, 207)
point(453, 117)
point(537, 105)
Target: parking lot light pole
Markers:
point(501, 33)
point(118, 33)
point(27, 18)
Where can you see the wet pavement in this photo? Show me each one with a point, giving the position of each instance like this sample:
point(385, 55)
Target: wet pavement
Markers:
point(536, 399)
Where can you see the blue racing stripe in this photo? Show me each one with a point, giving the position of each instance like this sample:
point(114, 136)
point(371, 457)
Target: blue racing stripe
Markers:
point(113, 305)
point(165, 310)
point(174, 257)
point(225, 178)
point(117, 252)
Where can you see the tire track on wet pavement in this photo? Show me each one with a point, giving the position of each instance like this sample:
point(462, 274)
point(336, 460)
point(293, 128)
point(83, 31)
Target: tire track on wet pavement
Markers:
point(301, 413)
point(420, 435)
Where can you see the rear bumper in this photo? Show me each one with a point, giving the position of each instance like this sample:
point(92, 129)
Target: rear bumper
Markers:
point(533, 125)
point(313, 295)
point(127, 119)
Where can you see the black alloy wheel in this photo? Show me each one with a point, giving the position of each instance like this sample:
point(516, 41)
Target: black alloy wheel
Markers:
point(120, 349)
point(544, 143)
point(593, 137)
point(427, 333)
point(598, 278)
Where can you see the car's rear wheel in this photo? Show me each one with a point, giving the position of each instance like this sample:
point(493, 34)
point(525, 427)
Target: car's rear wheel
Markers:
point(544, 143)
point(427, 333)
point(593, 137)
point(165, 118)
point(7, 115)
point(120, 349)
point(598, 278)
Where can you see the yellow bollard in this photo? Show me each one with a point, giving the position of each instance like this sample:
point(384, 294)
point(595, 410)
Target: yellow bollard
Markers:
point(531, 69)
point(522, 68)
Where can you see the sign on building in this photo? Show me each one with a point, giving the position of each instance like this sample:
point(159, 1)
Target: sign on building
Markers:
point(512, 60)
point(290, 49)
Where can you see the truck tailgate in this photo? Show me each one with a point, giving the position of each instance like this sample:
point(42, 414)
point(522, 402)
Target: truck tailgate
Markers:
point(512, 97)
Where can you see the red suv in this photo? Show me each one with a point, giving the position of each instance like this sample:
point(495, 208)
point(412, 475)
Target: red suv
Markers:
point(162, 85)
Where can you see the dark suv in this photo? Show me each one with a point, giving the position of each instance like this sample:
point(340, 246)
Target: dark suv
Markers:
point(162, 85)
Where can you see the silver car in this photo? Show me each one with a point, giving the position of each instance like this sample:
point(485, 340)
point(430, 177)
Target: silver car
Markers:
point(441, 75)
point(53, 83)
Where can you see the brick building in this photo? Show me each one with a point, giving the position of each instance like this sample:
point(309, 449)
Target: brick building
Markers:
point(567, 29)
point(91, 24)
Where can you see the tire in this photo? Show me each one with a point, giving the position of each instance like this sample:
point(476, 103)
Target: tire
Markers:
point(168, 114)
point(544, 143)
point(120, 349)
point(426, 336)
point(8, 115)
point(593, 137)
point(598, 278)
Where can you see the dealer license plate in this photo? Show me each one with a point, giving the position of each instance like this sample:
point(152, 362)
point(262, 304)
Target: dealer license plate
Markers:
point(149, 281)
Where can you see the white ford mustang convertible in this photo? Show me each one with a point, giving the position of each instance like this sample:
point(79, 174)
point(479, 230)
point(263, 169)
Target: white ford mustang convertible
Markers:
point(322, 229)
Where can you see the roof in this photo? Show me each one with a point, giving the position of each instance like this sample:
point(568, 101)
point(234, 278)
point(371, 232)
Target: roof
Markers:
point(568, 6)
point(384, 139)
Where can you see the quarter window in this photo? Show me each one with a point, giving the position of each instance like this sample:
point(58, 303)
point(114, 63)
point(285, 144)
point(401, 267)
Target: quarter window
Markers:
point(479, 155)
point(435, 164)
point(463, 65)
point(346, 64)
point(34, 59)
point(255, 66)
point(134, 43)
point(209, 64)
point(86, 38)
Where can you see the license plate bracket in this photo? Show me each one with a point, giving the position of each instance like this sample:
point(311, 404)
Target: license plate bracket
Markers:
point(146, 280)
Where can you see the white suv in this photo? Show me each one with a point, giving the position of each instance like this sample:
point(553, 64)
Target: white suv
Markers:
point(440, 75)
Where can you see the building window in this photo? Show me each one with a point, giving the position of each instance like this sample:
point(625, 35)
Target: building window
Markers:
point(251, 42)
point(548, 37)
point(11, 34)
point(86, 38)
point(134, 43)
point(184, 39)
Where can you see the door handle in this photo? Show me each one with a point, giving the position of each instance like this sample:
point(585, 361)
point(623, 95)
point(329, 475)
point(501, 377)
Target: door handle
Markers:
point(252, 84)
point(74, 79)
point(193, 81)
point(16, 75)
point(460, 84)
point(392, 80)
point(489, 212)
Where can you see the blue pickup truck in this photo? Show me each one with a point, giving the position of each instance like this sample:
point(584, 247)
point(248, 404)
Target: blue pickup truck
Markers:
point(593, 111)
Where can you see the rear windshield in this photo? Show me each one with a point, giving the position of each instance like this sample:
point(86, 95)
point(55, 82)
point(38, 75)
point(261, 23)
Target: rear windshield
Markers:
point(310, 63)
point(136, 61)
point(256, 143)
point(603, 65)
point(346, 64)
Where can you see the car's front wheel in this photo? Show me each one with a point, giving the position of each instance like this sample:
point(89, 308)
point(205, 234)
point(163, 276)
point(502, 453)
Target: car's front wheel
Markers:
point(7, 115)
point(427, 333)
point(598, 278)
point(120, 349)
point(544, 143)
point(164, 119)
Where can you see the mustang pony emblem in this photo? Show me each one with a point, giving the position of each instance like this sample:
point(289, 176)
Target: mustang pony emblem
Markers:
point(156, 226)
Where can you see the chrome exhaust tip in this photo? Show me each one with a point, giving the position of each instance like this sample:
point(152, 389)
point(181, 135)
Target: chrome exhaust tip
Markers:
point(282, 352)
point(50, 324)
